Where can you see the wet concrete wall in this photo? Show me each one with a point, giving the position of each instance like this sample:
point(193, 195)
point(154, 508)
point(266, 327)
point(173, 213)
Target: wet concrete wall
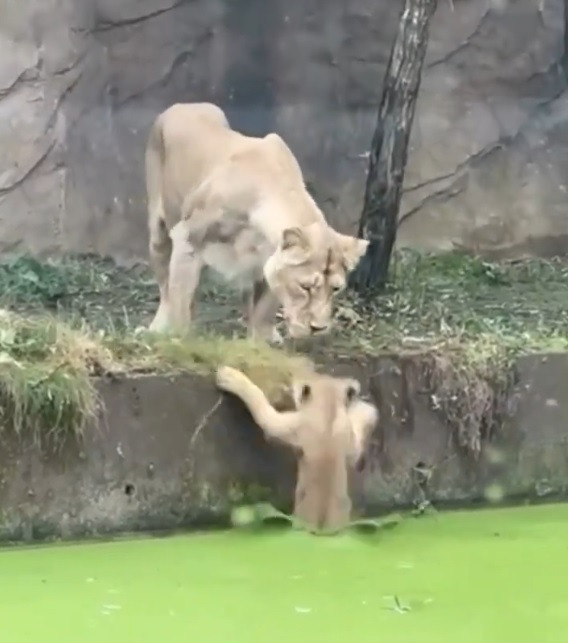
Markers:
point(81, 81)
point(172, 452)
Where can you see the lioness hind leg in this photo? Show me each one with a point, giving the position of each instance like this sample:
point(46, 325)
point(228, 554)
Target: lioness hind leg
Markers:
point(263, 307)
point(185, 268)
point(160, 253)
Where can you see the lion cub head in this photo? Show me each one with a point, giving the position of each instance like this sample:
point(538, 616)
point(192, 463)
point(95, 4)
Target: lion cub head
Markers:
point(308, 268)
point(333, 413)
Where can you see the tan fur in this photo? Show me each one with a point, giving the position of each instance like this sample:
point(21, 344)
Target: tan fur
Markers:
point(239, 205)
point(329, 430)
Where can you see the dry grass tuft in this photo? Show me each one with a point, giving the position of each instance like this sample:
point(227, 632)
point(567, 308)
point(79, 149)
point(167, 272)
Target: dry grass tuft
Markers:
point(47, 369)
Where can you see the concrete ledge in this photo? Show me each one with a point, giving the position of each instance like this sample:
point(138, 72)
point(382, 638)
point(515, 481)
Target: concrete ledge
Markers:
point(171, 452)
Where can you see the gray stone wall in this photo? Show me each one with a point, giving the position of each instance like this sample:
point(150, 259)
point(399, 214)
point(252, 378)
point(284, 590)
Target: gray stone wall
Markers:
point(81, 81)
point(208, 456)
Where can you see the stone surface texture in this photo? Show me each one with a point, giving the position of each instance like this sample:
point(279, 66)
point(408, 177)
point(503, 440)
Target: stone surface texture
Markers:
point(172, 452)
point(81, 81)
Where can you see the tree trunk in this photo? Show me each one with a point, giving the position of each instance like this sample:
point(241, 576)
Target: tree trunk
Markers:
point(564, 59)
point(388, 154)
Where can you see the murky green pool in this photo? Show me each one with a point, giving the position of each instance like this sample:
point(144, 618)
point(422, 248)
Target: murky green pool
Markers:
point(479, 577)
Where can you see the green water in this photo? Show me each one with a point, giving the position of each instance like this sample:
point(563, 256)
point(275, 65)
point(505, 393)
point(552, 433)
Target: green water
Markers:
point(479, 577)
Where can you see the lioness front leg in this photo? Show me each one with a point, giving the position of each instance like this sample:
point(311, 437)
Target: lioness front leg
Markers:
point(283, 426)
point(263, 307)
point(160, 253)
point(185, 270)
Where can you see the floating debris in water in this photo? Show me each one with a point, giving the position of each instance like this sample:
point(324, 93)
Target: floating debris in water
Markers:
point(405, 565)
point(397, 605)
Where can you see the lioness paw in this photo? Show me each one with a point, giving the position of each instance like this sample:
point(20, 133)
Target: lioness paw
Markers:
point(229, 379)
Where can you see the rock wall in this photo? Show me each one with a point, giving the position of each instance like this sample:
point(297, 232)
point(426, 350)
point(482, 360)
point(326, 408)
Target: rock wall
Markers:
point(124, 475)
point(81, 81)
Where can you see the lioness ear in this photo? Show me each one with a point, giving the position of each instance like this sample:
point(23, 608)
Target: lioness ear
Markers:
point(294, 238)
point(295, 246)
point(302, 393)
point(351, 250)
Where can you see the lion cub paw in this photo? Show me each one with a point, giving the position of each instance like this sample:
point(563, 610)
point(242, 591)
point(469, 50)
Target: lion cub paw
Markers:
point(230, 379)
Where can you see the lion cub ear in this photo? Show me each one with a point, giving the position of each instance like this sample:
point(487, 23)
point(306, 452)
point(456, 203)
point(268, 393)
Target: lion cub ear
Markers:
point(302, 393)
point(352, 390)
point(351, 249)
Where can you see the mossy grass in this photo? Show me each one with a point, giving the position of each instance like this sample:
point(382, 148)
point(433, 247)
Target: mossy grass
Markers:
point(201, 353)
point(463, 320)
point(47, 367)
point(45, 383)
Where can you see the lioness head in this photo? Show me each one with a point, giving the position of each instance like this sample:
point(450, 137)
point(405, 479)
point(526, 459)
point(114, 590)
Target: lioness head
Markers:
point(307, 269)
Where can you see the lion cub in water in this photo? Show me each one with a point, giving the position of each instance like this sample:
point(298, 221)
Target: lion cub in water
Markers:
point(328, 429)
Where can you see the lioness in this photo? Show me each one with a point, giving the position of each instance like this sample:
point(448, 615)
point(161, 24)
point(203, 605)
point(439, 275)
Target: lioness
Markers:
point(329, 430)
point(239, 205)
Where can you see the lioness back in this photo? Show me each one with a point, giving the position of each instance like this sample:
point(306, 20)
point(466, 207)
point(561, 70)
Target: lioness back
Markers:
point(189, 142)
point(186, 143)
